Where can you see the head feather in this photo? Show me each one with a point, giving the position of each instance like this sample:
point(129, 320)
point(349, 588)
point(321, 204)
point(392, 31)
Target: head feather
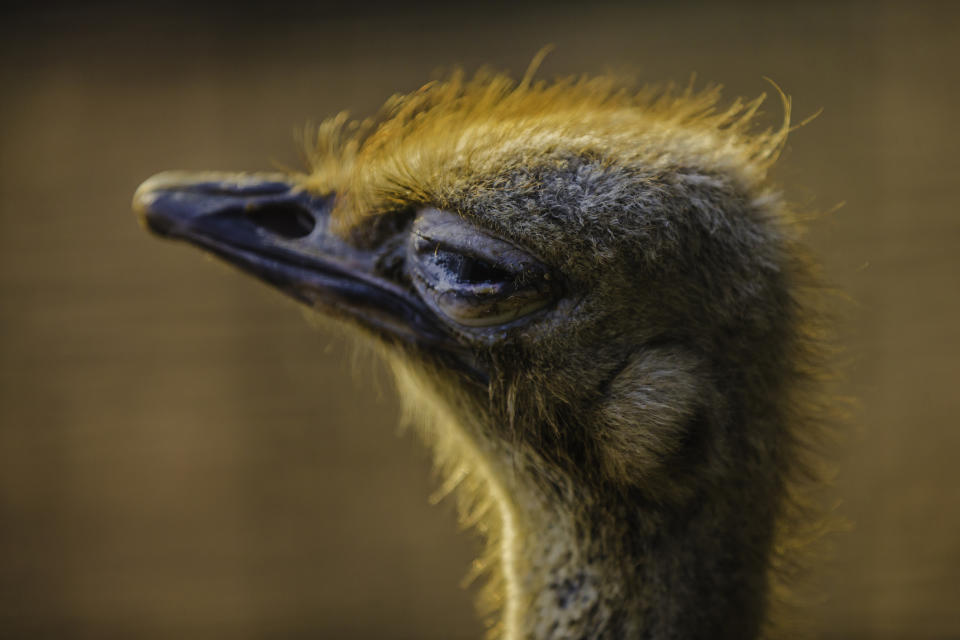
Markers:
point(437, 140)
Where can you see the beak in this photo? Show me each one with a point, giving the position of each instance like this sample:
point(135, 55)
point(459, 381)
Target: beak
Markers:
point(269, 227)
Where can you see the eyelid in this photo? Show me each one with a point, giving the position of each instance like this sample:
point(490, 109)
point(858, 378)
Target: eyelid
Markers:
point(497, 252)
point(436, 247)
point(520, 286)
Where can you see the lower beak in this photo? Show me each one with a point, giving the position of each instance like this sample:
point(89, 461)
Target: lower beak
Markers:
point(268, 226)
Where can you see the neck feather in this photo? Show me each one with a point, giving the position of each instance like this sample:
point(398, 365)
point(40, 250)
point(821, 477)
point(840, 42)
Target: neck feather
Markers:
point(619, 566)
point(570, 562)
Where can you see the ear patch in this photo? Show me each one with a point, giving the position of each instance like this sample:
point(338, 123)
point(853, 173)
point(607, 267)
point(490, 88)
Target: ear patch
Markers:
point(643, 419)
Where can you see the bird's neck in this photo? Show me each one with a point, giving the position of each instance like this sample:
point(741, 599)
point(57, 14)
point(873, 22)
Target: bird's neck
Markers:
point(585, 566)
point(583, 563)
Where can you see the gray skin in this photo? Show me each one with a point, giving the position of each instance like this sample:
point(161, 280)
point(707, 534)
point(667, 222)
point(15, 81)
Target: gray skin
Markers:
point(619, 350)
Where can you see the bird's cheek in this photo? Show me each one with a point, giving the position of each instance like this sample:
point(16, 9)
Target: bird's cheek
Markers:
point(649, 408)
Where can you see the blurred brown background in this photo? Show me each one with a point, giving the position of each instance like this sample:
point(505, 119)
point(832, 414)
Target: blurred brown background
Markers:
point(182, 456)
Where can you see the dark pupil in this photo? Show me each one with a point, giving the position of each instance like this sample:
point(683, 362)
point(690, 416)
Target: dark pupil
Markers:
point(470, 270)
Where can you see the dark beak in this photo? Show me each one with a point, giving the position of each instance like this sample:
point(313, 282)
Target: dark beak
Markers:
point(269, 227)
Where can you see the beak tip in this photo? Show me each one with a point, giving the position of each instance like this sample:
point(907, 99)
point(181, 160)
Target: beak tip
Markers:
point(144, 199)
point(151, 200)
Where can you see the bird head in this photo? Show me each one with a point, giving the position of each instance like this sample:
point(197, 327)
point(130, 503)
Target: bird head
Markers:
point(593, 280)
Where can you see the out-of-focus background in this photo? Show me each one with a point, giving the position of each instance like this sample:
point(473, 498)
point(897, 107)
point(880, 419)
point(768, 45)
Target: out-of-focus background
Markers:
point(181, 455)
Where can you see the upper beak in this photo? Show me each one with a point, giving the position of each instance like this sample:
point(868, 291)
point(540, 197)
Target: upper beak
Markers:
point(268, 226)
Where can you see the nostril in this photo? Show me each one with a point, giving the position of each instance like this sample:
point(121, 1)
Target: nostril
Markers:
point(287, 220)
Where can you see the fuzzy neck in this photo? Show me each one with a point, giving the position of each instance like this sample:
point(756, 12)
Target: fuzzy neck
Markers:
point(590, 566)
point(569, 561)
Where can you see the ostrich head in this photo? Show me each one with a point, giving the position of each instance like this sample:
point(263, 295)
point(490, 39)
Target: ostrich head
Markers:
point(589, 299)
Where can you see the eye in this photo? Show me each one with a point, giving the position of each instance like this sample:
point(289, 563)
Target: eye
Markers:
point(468, 270)
point(471, 277)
